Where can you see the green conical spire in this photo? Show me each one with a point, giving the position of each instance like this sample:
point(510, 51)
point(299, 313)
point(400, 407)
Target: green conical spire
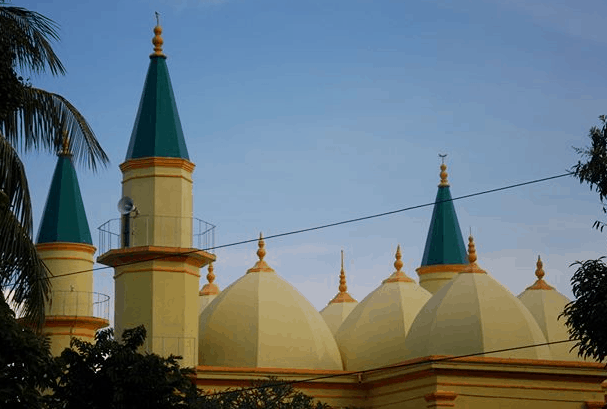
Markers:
point(157, 130)
point(64, 218)
point(445, 244)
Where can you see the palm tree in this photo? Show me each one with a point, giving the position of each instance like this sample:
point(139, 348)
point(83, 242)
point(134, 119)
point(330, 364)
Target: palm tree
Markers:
point(31, 119)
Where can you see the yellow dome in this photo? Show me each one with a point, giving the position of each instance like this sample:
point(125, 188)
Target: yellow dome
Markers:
point(472, 314)
point(341, 305)
point(374, 333)
point(546, 304)
point(262, 321)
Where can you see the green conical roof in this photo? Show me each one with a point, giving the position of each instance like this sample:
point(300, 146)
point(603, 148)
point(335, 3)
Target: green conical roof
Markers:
point(64, 218)
point(157, 130)
point(445, 244)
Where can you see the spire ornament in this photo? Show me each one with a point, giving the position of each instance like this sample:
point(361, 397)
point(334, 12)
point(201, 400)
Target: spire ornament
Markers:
point(398, 275)
point(342, 295)
point(261, 266)
point(210, 288)
point(540, 284)
point(472, 267)
point(443, 172)
point(157, 40)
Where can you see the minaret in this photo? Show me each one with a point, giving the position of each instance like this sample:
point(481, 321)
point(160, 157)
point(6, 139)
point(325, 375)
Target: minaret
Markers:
point(445, 252)
point(341, 305)
point(64, 244)
point(157, 269)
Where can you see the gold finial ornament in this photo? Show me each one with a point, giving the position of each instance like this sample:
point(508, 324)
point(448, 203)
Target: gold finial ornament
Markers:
point(398, 275)
point(540, 284)
point(157, 40)
point(261, 265)
point(342, 295)
point(210, 288)
point(443, 172)
point(472, 267)
point(65, 145)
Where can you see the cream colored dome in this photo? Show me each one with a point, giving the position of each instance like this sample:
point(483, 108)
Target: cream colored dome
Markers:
point(374, 333)
point(341, 305)
point(472, 314)
point(546, 304)
point(262, 321)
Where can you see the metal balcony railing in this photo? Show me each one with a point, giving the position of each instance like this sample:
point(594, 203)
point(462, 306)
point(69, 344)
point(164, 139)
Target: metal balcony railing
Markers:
point(79, 304)
point(145, 230)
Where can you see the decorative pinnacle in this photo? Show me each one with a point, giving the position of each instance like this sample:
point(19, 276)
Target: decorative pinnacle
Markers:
point(157, 40)
point(398, 275)
point(261, 251)
point(261, 265)
point(343, 287)
point(65, 145)
point(398, 264)
point(539, 271)
point(471, 250)
point(443, 172)
point(210, 275)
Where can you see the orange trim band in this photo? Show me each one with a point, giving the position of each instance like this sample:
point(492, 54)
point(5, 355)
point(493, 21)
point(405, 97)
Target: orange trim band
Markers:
point(73, 334)
point(157, 176)
point(89, 260)
point(440, 268)
point(143, 163)
point(88, 248)
point(92, 323)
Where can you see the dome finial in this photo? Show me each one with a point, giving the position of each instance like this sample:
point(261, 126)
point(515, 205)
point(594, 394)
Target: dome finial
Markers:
point(443, 172)
point(539, 270)
point(343, 287)
point(157, 40)
point(540, 284)
point(261, 265)
point(398, 264)
point(261, 251)
point(472, 266)
point(342, 295)
point(398, 275)
point(210, 288)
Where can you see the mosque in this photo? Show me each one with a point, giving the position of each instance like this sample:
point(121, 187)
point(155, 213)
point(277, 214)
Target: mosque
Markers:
point(457, 339)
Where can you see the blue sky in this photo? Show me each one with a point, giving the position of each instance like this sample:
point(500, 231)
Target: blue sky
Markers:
point(304, 113)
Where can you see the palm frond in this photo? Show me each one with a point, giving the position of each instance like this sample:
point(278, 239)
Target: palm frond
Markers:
point(21, 270)
point(27, 36)
point(41, 122)
point(13, 184)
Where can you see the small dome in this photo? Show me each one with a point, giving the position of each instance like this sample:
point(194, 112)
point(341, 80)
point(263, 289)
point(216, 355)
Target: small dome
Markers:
point(374, 333)
point(546, 304)
point(341, 305)
point(262, 321)
point(472, 314)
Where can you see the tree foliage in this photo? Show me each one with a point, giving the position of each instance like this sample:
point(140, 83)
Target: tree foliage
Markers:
point(269, 394)
point(111, 374)
point(26, 365)
point(592, 167)
point(586, 316)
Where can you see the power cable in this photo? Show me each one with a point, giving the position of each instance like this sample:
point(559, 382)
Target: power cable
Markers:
point(323, 226)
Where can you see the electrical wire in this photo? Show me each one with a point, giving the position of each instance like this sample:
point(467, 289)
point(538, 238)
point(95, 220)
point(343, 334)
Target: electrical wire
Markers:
point(323, 226)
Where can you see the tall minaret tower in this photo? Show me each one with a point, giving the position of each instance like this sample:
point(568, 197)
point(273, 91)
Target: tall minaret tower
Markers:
point(445, 253)
point(64, 244)
point(156, 270)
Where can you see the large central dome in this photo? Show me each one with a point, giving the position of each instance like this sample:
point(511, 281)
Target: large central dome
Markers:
point(262, 321)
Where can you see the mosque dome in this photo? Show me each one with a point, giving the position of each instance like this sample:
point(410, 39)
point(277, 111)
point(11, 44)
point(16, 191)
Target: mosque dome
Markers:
point(262, 321)
point(374, 333)
point(472, 314)
point(341, 305)
point(546, 304)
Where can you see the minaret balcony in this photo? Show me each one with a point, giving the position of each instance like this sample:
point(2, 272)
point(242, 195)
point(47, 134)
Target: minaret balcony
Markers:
point(132, 231)
point(78, 305)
